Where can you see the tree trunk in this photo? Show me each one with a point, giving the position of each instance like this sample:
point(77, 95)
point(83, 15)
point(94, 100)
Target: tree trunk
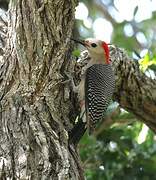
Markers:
point(36, 130)
point(35, 105)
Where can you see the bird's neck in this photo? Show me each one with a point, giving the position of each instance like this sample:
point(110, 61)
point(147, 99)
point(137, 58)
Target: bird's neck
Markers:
point(98, 59)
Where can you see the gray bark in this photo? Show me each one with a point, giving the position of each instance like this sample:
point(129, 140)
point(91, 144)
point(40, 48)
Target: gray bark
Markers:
point(135, 91)
point(35, 105)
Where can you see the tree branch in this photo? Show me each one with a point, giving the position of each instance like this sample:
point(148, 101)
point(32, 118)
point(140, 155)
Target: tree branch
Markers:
point(104, 10)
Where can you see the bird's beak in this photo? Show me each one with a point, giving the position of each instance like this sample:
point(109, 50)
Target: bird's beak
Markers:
point(82, 42)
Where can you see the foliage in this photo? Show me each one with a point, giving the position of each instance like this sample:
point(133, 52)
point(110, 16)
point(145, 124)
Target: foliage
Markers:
point(147, 62)
point(116, 154)
point(76, 53)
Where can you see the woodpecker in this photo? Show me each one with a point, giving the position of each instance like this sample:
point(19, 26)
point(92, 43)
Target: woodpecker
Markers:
point(97, 82)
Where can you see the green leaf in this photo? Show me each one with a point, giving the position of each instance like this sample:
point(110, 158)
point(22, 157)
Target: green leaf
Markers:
point(76, 53)
point(144, 62)
point(147, 62)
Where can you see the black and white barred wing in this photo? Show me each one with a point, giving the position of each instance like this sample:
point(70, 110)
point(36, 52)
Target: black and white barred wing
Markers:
point(99, 88)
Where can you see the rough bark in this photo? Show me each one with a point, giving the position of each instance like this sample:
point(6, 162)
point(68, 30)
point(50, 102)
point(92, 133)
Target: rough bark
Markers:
point(36, 128)
point(135, 91)
point(35, 105)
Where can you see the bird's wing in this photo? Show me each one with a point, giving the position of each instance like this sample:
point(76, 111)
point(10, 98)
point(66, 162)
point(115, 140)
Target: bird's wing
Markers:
point(99, 87)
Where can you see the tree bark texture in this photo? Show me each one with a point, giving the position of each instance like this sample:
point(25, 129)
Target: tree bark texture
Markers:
point(135, 91)
point(34, 104)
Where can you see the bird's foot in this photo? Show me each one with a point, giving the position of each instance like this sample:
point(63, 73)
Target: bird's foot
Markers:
point(71, 83)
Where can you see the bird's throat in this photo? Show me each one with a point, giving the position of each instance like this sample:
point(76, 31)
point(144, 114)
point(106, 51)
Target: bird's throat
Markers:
point(99, 59)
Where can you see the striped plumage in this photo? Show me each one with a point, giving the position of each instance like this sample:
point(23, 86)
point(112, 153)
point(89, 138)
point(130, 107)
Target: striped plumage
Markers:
point(97, 83)
point(99, 87)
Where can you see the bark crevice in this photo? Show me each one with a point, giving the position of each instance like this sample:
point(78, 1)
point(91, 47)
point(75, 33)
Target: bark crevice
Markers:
point(34, 103)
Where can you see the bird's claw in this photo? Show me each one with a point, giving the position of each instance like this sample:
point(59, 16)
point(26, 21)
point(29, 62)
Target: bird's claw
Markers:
point(70, 80)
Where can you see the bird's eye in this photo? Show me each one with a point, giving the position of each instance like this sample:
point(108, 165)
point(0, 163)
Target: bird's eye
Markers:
point(93, 45)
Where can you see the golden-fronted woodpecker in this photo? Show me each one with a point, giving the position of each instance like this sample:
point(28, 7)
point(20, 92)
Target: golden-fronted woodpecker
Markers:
point(97, 83)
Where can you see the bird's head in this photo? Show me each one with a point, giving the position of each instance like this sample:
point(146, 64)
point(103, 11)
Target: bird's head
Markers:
point(97, 48)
